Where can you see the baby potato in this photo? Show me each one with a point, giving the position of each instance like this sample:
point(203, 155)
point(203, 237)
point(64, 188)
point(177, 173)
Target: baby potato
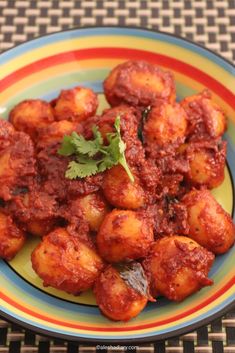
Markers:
point(124, 235)
point(12, 238)
point(55, 132)
point(93, 207)
point(17, 164)
point(35, 212)
point(206, 118)
point(124, 111)
point(75, 104)
point(30, 115)
point(64, 262)
point(120, 191)
point(115, 298)
point(166, 123)
point(138, 83)
point(206, 163)
point(177, 267)
point(129, 117)
point(210, 225)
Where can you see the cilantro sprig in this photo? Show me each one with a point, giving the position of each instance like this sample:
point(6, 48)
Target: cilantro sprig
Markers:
point(92, 156)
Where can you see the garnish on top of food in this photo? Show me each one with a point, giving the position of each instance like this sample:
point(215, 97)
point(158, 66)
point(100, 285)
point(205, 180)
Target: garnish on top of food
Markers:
point(93, 156)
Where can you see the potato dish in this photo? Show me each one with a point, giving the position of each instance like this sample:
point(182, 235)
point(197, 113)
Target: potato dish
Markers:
point(125, 208)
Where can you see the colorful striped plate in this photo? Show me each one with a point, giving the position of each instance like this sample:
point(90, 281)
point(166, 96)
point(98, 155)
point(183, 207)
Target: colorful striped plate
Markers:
point(40, 68)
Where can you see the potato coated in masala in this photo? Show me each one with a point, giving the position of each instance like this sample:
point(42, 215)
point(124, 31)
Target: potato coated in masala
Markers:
point(12, 238)
point(129, 117)
point(115, 298)
point(166, 123)
point(206, 163)
point(206, 118)
point(177, 266)
point(120, 191)
point(75, 104)
point(138, 83)
point(30, 115)
point(35, 211)
point(124, 235)
point(17, 163)
point(210, 225)
point(65, 262)
point(55, 132)
point(91, 208)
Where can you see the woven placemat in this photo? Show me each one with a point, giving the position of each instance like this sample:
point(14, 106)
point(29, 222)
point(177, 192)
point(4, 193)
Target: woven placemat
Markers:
point(210, 23)
point(217, 337)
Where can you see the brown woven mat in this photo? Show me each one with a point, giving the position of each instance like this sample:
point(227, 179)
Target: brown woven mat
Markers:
point(217, 337)
point(211, 23)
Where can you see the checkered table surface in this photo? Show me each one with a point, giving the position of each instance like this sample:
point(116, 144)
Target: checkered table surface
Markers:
point(210, 23)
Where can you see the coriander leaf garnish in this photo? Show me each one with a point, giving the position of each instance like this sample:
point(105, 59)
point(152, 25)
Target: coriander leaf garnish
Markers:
point(67, 148)
point(77, 144)
point(81, 170)
point(92, 156)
